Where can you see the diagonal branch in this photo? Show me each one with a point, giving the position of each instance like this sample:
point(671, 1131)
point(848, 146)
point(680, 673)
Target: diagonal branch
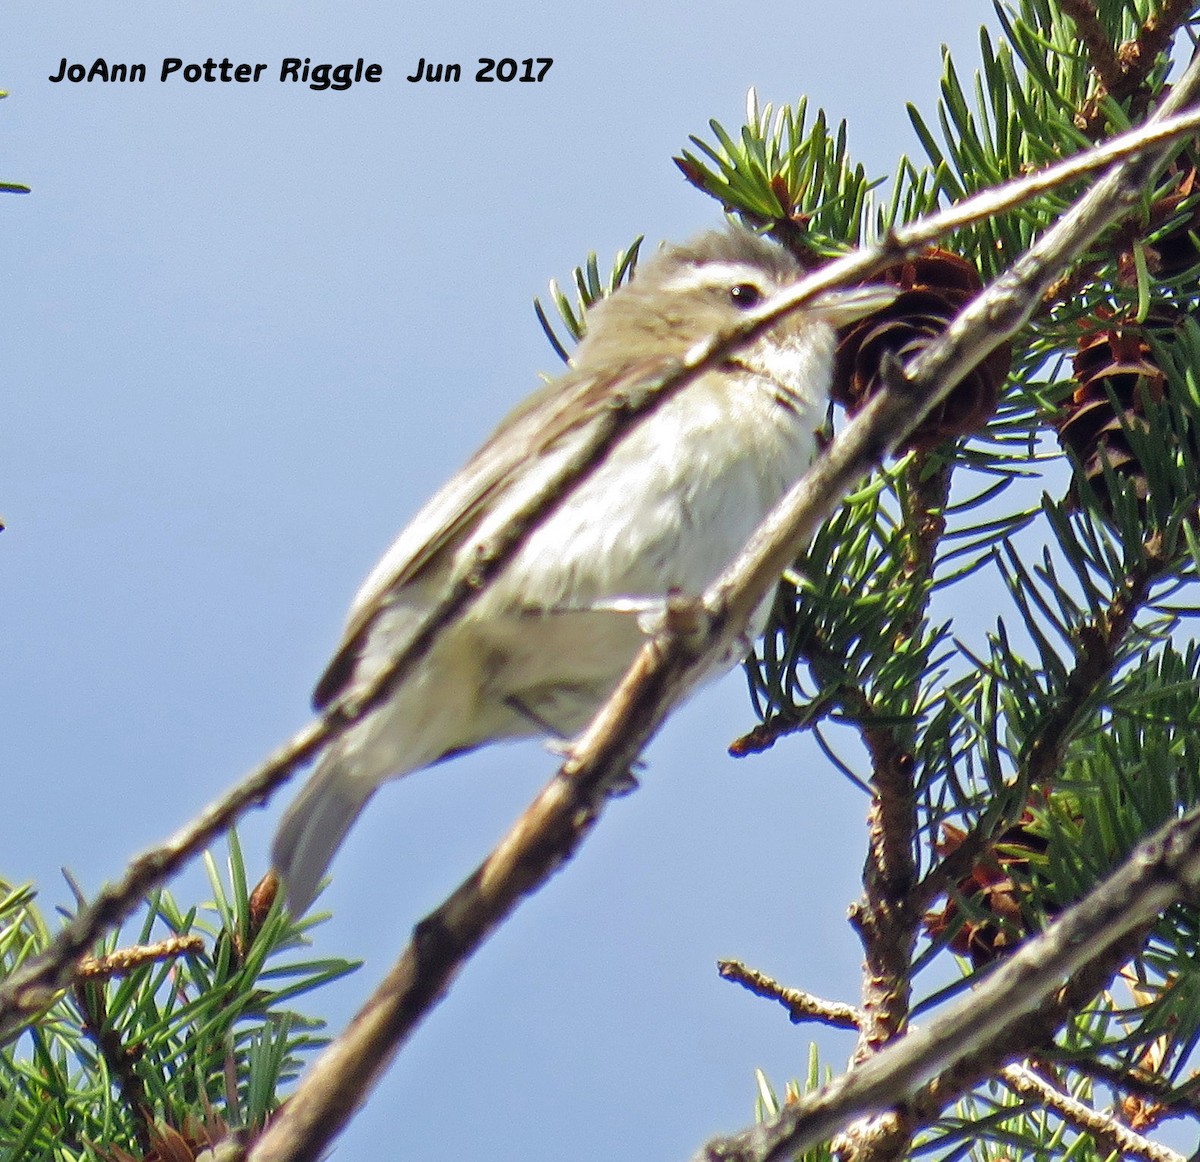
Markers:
point(1109, 1134)
point(1099, 649)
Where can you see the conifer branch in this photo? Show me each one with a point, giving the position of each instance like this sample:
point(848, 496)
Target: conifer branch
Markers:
point(1017, 1006)
point(1109, 1135)
point(1100, 50)
point(1099, 645)
point(1152, 41)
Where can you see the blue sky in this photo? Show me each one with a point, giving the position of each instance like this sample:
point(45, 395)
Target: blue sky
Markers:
point(249, 329)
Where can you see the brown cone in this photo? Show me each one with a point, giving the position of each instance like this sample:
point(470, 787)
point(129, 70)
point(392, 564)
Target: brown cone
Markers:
point(1174, 251)
point(934, 287)
point(998, 886)
point(1117, 360)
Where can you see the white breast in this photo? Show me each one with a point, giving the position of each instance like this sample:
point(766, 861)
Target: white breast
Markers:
point(677, 498)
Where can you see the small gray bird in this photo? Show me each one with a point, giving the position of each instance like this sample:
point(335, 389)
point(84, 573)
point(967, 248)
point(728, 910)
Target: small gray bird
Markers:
point(671, 504)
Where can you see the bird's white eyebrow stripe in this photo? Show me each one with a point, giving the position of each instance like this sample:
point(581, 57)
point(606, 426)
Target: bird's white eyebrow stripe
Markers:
point(714, 274)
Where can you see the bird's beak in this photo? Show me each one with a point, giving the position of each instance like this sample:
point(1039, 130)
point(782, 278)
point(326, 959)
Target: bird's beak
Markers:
point(840, 307)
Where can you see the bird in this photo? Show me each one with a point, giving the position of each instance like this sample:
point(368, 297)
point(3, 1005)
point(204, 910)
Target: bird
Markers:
point(668, 506)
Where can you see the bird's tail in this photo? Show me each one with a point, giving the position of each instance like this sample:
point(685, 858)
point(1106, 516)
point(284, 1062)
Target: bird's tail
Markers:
point(314, 826)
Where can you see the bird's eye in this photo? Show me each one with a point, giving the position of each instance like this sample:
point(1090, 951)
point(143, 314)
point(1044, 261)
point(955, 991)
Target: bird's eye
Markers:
point(745, 295)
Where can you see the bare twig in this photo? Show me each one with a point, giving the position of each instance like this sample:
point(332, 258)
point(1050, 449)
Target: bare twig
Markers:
point(123, 961)
point(766, 734)
point(1108, 1133)
point(801, 1006)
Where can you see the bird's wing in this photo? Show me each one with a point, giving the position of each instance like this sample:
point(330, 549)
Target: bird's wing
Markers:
point(452, 514)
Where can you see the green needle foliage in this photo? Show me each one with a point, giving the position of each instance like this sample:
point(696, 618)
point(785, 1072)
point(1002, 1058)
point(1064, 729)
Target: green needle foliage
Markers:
point(768, 1105)
point(1013, 760)
point(175, 1034)
point(589, 289)
point(778, 171)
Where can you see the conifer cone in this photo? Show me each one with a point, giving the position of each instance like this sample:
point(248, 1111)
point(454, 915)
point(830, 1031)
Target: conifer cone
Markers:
point(998, 885)
point(1175, 251)
point(167, 1144)
point(1117, 359)
point(934, 287)
point(1177, 215)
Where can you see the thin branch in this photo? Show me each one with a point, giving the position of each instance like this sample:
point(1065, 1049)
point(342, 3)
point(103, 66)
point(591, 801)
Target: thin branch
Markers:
point(884, 919)
point(1109, 1135)
point(766, 734)
point(123, 961)
point(1138, 56)
point(35, 983)
point(1141, 1085)
point(1099, 644)
point(118, 1059)
point(1083, 947)
point(1100, 50)
point(801, 1006)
